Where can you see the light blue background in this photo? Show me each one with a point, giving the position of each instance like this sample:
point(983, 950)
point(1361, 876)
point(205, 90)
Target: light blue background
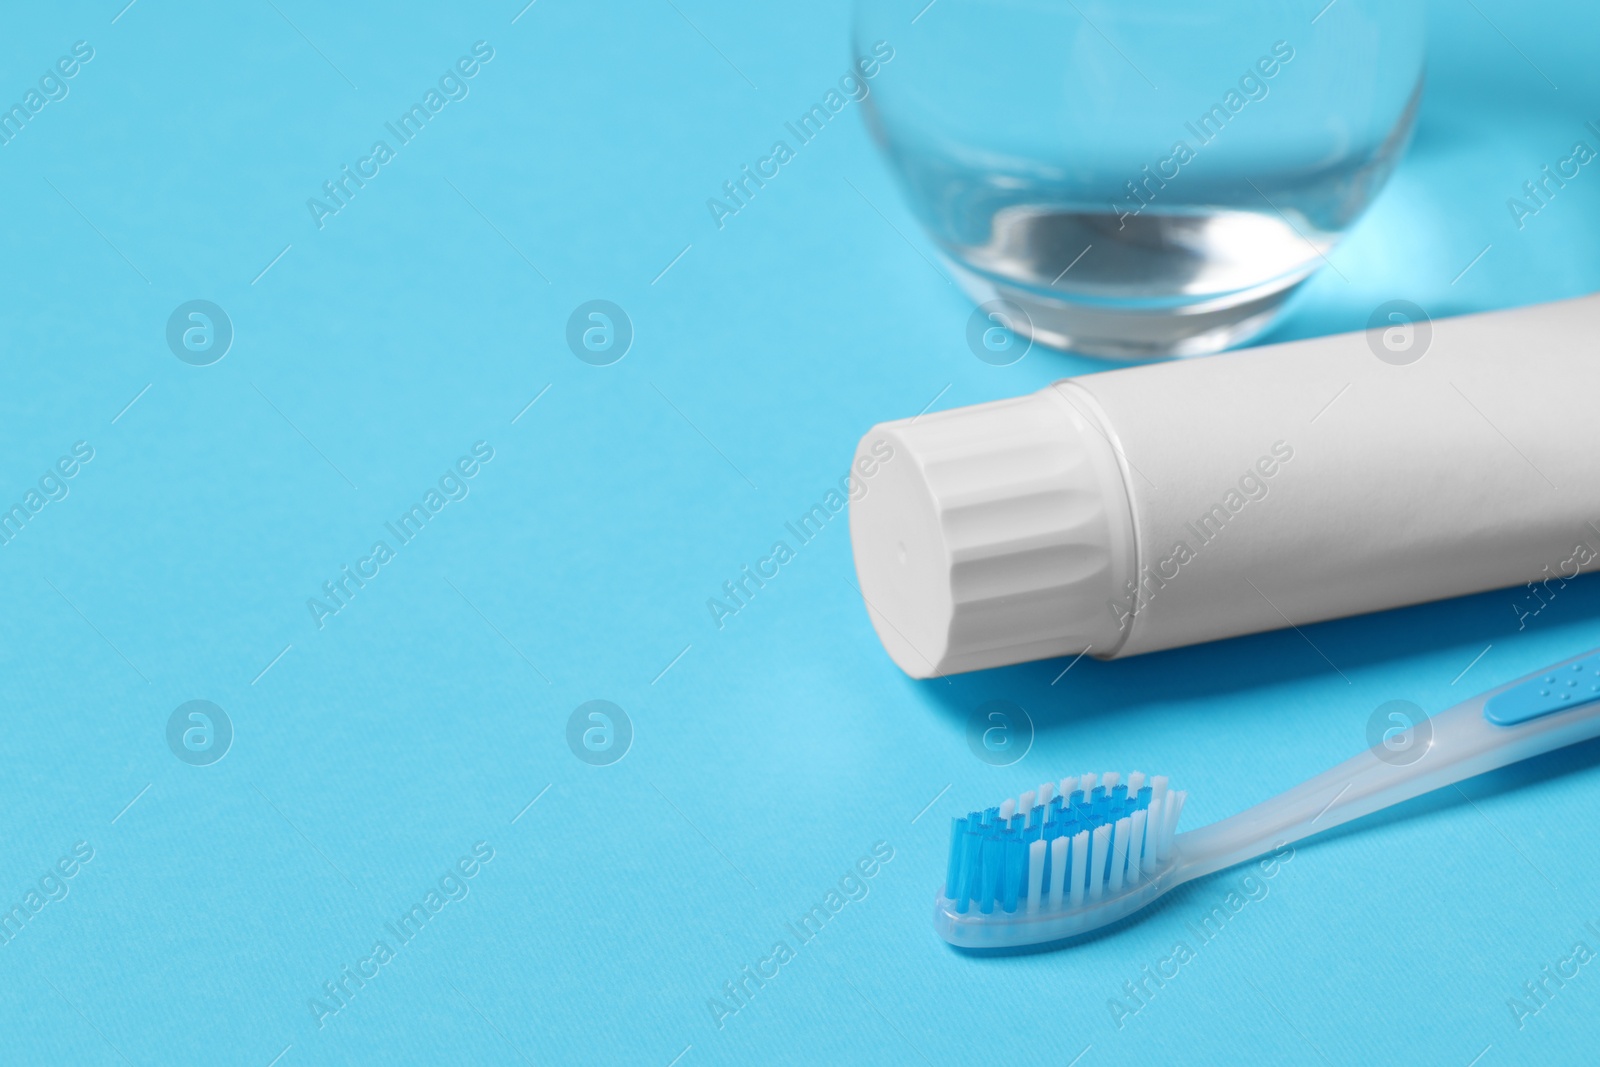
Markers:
point(773, 753)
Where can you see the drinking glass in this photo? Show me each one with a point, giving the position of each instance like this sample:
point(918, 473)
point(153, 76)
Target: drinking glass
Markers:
point(1143, 179)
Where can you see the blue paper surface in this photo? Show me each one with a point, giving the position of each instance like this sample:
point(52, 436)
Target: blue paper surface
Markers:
point(380, 752)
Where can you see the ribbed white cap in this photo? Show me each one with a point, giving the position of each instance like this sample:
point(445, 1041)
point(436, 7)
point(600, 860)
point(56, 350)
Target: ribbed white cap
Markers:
point(993, 534)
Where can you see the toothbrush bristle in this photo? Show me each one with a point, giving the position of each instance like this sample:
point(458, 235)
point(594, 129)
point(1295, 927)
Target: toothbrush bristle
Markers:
point(1059, 848)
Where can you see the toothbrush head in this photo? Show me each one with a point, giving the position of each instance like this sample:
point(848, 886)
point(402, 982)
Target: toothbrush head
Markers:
point(1060, 861)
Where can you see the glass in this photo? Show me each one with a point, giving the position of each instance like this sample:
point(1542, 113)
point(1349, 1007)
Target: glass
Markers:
point(1141, 179)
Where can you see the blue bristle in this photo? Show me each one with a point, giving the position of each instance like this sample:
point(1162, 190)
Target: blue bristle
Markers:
point(1036, 816)
point(971, 868)
point(1016, 863)
point(997, 888)
point(993, 854)
point(952, 870)
point(991, 816)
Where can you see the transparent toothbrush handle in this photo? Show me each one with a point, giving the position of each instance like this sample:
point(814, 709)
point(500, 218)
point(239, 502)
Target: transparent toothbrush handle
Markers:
point(1449, 747)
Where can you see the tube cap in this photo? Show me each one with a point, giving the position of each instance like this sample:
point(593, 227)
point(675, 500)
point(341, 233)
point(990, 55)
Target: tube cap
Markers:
point(993, 534)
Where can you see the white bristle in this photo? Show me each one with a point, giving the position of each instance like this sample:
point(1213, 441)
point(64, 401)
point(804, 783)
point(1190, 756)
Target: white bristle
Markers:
point(1156, 831)
point(1177, 815)
point(1152, 834)
point(1110, 780)
point(1025, 805)
point(1008, 808)
point(1174, 809)
point(1046, 791)
point(1086, 783)
point(1058, 870)
point(1169, 819)
point(1119, 852)
point(1097, 860)
point(1036, 852)
point(1067, 786)
point(1136, 828)
point(1135, 782)
point(1080, 865)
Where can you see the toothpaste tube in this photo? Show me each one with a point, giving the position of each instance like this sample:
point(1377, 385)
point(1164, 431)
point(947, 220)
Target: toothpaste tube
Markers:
point(1174, 503)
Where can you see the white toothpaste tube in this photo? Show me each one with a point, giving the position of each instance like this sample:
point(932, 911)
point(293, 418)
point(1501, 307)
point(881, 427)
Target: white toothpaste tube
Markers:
point(1164, 505)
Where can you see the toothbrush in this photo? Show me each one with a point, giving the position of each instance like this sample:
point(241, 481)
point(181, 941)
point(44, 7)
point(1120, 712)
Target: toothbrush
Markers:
point(1074, 856)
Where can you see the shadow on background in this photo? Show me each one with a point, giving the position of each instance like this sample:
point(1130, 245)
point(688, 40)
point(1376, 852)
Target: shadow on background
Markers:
point(1239, 665)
